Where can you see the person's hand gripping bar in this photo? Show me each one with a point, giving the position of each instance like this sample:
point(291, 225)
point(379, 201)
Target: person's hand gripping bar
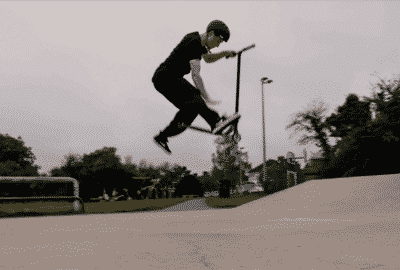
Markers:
point(230, 54)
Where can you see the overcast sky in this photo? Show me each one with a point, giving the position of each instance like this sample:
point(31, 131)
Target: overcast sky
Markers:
point(76, 76)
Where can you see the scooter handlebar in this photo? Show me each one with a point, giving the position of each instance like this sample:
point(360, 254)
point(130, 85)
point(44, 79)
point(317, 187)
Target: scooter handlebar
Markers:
point(243, 50)
point(247, 48)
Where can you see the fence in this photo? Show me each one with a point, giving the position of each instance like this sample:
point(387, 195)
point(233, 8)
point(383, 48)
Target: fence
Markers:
point(44, 195)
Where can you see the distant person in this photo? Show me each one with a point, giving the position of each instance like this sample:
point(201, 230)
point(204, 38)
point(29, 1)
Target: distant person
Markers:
point(191, 101)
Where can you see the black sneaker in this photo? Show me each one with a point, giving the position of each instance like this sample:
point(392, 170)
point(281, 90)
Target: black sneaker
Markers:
point(162, 143)
point(222, 118)
point(224, 122)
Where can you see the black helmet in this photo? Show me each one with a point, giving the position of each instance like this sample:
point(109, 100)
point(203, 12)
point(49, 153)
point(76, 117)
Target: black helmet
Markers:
point(220, 29)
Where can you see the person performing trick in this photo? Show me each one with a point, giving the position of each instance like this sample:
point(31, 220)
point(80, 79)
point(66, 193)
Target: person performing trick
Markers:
point(191, 101)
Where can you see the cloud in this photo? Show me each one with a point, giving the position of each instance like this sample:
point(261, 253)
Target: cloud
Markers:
point(352, 18)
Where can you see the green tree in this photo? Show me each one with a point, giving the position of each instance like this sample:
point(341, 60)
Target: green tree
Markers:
point(15, 158)
point(189, 185)
point(100, 170)
point(128, 160)
point(312, 121)
point(387, 101)
point(353, 114)
point(208, 182)
point(178, 172)
point(166, 179)
point(364, 142)
point(231, 160)
point(363, 151)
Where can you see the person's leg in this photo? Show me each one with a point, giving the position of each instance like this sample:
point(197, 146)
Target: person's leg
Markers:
point(186, 98)
point(211, 116)
point(197, 105)
point(217, 123)
point(179, 124)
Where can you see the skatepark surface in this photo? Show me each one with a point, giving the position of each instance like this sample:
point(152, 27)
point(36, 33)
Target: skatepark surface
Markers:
point(347, 223)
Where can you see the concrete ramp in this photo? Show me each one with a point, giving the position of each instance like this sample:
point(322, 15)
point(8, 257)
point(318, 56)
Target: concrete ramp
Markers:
point(349, 223)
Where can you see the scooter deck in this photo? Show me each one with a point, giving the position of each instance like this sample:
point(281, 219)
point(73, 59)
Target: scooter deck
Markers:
point(234, 122)
point(210, 132)
point(200, 129)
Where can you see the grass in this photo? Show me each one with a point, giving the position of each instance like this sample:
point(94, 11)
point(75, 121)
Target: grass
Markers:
point(234, 200)
point(107, 207)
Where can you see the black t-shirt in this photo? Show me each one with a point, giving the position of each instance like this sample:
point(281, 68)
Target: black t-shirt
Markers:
point(177, 64)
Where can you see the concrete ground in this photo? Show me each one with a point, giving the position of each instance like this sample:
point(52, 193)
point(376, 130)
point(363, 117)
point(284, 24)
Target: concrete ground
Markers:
point(349, 223)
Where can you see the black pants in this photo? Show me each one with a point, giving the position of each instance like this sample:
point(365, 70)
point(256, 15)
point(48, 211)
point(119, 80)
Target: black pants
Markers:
point(187, 99)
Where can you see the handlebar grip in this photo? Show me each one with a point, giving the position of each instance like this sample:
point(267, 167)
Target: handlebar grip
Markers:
point(248, 48)
point(234, 54)
point(243, 50)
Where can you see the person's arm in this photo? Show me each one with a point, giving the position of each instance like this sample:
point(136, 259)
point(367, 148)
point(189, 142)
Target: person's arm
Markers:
point(213, 57)
point(198, 81)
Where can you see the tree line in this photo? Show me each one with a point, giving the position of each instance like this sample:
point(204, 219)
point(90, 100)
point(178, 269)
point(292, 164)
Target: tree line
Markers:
point(362, 147)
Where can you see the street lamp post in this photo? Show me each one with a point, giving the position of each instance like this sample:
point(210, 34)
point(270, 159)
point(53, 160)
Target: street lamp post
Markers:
point(264, 81)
